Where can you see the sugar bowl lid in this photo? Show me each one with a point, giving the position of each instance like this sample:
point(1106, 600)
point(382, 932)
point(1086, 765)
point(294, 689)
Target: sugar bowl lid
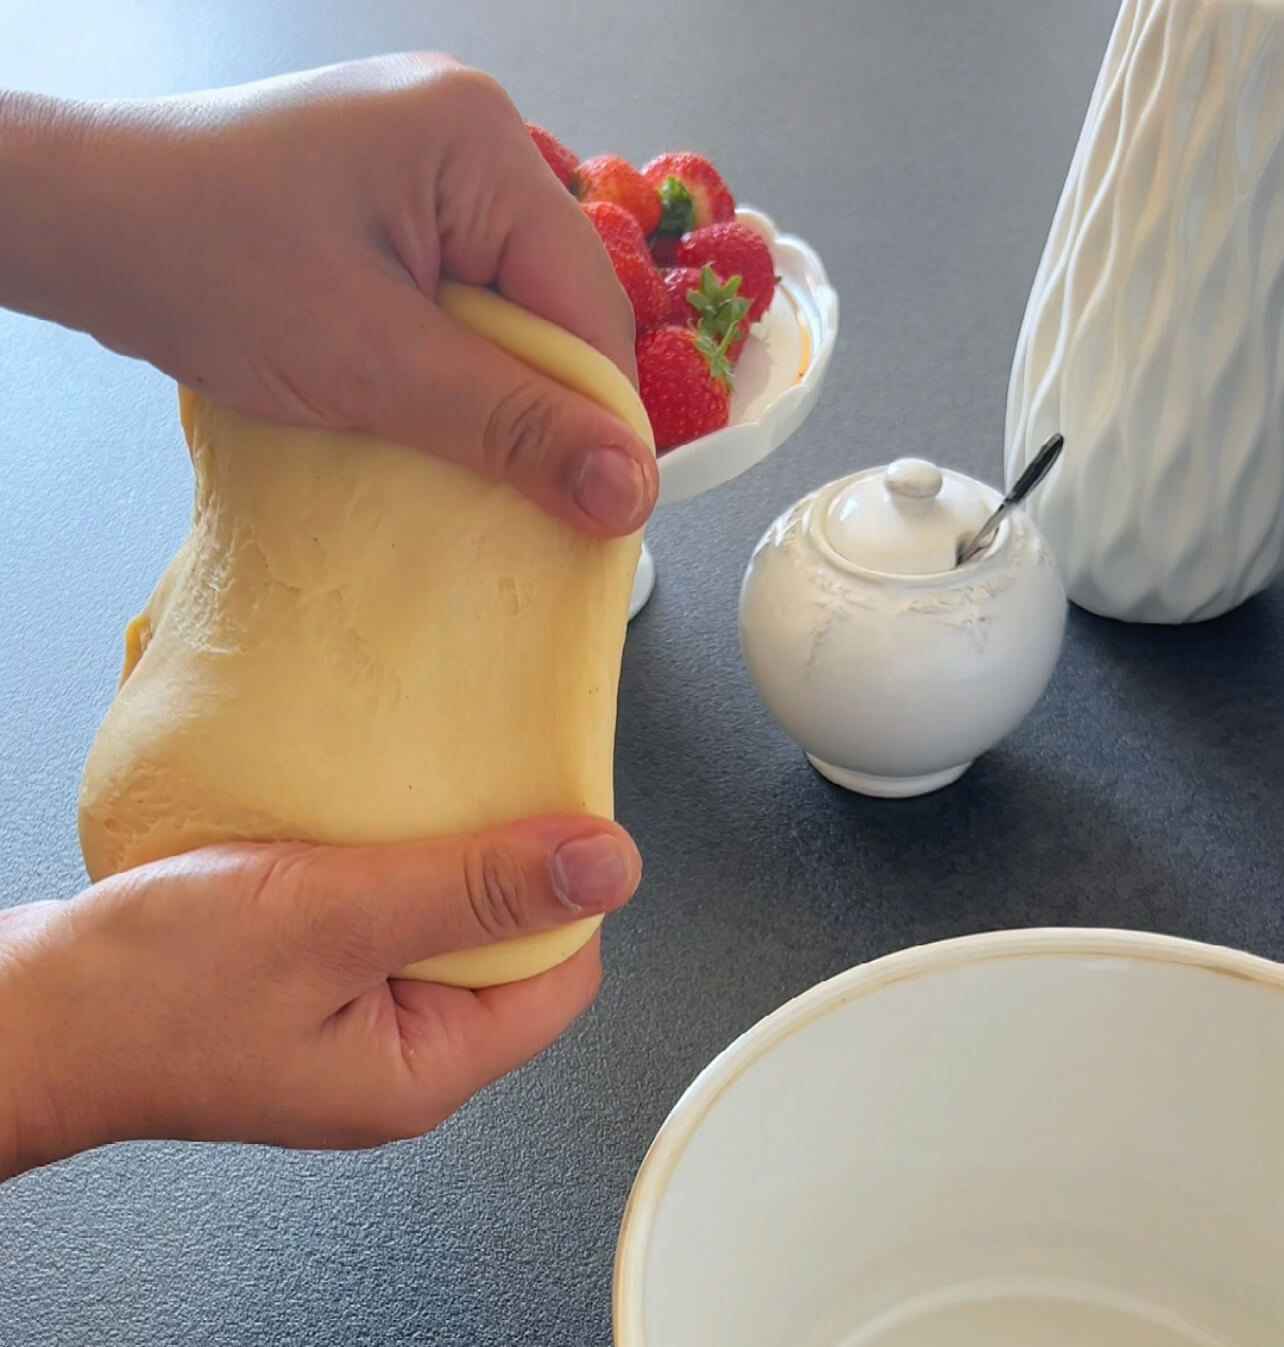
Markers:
point(905, 519)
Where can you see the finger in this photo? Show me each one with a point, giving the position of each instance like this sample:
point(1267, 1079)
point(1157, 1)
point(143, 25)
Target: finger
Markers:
point(453, 392)
point(529, 239)
point(553, 262)
point(460, 1042)
point(377, 909)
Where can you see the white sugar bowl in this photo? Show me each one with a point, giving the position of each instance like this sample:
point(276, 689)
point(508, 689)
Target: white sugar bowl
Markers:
point(891, 666)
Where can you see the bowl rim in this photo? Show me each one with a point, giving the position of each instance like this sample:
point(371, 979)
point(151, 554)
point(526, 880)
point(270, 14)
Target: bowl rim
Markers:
point(857, 983)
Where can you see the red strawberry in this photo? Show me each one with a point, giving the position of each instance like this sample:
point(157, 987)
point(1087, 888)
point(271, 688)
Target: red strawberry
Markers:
point(615, 225)
point(642, 284)
point(700, 298)
point(607, 177)
point(562, 161)
point(677, 281)
point(733, 249)
point(692, 193)
point(684, 379)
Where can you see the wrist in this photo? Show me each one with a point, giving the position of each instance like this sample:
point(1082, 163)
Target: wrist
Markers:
point(44, 195)
point(10, 1094)
point(40, 1121)
point(17, 1087)
point(78, 183)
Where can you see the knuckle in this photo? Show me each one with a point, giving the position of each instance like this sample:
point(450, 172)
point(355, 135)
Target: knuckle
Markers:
point(474, 91)
point(279, 877)
point(497, 891)
point(520, 432)
point(429, 63)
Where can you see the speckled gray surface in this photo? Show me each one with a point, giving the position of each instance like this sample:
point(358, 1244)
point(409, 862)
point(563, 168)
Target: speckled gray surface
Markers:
point(921, 147)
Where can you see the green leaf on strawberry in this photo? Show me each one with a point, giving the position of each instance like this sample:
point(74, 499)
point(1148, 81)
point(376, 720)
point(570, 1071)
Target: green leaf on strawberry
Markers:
point(714, 351)
point(677, 209)
point(718, 305)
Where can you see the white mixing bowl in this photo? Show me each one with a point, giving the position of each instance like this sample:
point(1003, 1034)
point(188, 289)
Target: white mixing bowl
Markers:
point(1053, 1138)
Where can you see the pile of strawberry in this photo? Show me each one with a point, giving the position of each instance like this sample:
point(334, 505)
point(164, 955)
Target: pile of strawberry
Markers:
point(698, 279)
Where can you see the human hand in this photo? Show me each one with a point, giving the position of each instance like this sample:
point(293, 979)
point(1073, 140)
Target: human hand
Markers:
point(242, 993)
point(277, 246)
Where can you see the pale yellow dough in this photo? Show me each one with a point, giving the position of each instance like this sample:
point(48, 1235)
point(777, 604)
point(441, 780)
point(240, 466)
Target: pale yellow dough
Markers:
point(359, 643)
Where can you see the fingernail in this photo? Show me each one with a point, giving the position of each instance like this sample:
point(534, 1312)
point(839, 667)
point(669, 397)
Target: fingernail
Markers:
point(610, 488)
point(591, 872)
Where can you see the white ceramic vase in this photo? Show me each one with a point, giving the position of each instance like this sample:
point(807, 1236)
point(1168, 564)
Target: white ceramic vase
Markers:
point(1152, 338)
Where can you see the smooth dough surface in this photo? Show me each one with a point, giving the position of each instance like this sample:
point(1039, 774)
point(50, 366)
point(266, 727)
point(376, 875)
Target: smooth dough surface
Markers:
point(358, 643)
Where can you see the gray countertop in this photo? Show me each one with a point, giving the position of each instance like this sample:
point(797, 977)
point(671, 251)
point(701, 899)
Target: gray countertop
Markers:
point(921, 147)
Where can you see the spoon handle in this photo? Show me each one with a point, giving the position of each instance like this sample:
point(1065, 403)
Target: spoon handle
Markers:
point(1036, 470)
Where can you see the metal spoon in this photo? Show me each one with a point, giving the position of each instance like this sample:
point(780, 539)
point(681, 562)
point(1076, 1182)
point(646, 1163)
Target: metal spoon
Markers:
point(1035, 472)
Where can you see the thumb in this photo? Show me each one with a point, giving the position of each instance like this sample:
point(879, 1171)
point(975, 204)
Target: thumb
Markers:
point(454, 393)
point(391, 906)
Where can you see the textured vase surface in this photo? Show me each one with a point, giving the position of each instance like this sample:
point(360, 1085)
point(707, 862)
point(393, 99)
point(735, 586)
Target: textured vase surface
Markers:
point(1152, 337)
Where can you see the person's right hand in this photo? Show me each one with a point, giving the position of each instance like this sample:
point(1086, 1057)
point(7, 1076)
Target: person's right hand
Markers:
point(278, 246)
point(243, 993)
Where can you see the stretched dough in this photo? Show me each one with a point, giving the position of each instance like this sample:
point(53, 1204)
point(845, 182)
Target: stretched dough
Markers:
point(359, 643)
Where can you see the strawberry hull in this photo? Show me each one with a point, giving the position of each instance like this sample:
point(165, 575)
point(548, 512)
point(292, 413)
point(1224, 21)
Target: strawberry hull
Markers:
point(733, 249)
point(701, 298)
point(692, 192)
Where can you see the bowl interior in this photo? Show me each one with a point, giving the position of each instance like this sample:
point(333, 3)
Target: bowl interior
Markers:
point(1057, 1146)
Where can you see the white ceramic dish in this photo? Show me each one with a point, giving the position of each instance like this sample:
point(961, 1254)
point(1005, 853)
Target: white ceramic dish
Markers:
point(778, 382)
point(1054, 1138)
